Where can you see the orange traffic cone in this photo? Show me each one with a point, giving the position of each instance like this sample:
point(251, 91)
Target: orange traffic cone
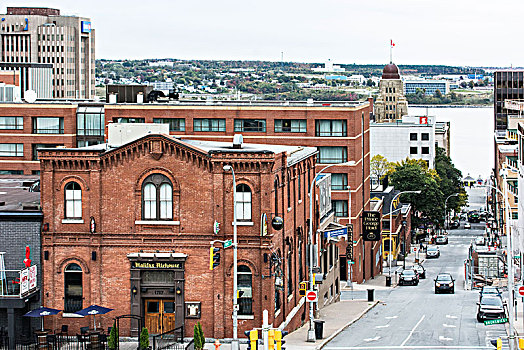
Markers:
point(217, 344)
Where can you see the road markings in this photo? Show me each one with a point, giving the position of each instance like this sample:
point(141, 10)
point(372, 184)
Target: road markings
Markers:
point(449, 325)
point(450, 316)
point(441, 338)
point(384, 326)
point(372, 339)
point(413, 330)
point(391, 317)
point(389, 347)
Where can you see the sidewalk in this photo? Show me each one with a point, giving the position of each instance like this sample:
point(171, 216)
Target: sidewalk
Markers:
point(338, 316)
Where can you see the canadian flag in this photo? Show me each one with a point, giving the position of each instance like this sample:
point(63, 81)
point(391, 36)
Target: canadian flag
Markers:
point(392, 43)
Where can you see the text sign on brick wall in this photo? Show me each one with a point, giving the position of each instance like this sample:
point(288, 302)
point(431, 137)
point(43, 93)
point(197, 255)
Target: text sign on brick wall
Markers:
point(371, 225)
point(163, 265)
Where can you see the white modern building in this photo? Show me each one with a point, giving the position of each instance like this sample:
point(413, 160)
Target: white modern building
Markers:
point(328, 67)
point(411, 137)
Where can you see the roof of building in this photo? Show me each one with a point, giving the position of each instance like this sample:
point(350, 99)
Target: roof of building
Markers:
point(294, 153)
point(390, 71)
point(19, 193)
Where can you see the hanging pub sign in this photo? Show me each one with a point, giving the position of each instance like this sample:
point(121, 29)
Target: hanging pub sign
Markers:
point(371, 225)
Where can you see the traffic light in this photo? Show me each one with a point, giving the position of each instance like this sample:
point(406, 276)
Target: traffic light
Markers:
point(214, 257)
point(253, 338)
point(278, 338)
point(302, 289)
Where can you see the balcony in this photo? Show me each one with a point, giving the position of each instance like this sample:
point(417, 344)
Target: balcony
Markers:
point(10, 286)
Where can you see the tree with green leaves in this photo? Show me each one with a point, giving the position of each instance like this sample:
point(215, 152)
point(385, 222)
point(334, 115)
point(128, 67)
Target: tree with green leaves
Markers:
point(438, 94)
point(144, 339)
point(450, 181)
point(436, 185)
point(112, 342)
point(414, 175)
point(198, 337)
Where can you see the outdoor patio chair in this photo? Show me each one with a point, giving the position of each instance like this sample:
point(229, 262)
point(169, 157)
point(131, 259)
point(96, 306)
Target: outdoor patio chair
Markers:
point(52, 341)
point(81, 340)
point(63, 331)
point(83, 330)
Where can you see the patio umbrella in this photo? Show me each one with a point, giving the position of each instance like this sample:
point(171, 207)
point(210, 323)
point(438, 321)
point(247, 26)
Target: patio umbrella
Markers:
point(93, 310)
point(41, 312)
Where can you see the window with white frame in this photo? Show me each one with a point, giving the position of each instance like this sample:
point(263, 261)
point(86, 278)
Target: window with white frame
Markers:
point(73, 200)
point(243, 202)
point(157, 198)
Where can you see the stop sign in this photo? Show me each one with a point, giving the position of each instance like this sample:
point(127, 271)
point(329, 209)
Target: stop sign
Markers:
point(521, 291)
point(311, 296)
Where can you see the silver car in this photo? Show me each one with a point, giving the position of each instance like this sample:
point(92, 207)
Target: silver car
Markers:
point(432, 252)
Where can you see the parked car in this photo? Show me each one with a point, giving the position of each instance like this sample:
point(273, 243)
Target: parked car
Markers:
point(490, 291)
point(432, 252)
point(467, 225)
point(480, 241)
point(454, 224)
point(408, 276)
point(420, 270)
point(442, 240)
point(490, 308)
point(444, 283)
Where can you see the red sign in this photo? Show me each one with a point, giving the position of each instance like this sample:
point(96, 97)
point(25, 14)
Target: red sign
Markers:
point(521, 291)
point(423, 120)
point(311, 296)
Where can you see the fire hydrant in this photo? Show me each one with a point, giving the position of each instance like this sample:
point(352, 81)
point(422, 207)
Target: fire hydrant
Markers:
point(217, 344)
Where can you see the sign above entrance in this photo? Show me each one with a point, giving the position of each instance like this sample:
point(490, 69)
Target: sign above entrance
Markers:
point(163, 265)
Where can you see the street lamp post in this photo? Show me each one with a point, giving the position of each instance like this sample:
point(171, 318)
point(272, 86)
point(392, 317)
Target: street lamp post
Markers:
point(446, 226)
point(511, 281)
point(391, 226)
point(311, 331)
point(234, 342)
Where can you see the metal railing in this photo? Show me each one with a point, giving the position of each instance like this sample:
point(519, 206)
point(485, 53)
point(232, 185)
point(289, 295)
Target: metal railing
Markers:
point(170, 340)
point(56, 342)
point(10, 283)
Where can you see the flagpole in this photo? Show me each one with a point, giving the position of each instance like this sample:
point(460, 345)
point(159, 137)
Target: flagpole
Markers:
point(391, 51)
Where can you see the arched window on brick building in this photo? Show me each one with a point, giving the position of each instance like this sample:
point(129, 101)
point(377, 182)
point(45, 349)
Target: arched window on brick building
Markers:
point(243, 202)
point(73, 200)
point(73, 288)
point(245, 285)
point(157, 198)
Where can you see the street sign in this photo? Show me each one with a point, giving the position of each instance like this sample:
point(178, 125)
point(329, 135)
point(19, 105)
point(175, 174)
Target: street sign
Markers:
point(311, 296)
point(521, 291)
point(228, 243)
point(496, 321)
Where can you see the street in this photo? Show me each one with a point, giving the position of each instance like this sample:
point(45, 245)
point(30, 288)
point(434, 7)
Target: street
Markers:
point(417, 318)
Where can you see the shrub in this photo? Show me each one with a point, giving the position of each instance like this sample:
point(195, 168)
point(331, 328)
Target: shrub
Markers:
point(144, 339)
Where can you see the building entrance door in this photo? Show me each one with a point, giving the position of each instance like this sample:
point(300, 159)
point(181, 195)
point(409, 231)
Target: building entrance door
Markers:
point(159, 315)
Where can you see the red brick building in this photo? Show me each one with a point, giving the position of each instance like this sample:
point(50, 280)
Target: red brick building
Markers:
point(25, 127)
point(340, 131)
point(130, 228)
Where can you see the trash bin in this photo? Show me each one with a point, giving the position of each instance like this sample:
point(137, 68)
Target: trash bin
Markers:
point(319, 329)
point(388, 281)
point(371, 294)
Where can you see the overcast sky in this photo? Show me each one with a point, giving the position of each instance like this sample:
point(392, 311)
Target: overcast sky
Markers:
point(451, 32)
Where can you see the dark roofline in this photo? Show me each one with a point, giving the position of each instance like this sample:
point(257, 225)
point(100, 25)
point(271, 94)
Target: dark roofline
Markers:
point(21, 215)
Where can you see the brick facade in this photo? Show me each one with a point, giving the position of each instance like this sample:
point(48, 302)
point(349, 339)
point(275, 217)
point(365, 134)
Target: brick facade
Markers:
point(111, 183)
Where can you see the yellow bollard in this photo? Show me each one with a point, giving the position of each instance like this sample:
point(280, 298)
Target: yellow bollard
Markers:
point(271, 339)
point(521, 343)
point(278, 339)
point(253, 337)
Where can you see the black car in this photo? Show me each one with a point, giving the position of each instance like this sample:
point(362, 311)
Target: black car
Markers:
point(444, 283)
point(441, 240)
point(490, 291)
point(420, 270)
point(490, 308)
point(454, 224)
point(408, 277)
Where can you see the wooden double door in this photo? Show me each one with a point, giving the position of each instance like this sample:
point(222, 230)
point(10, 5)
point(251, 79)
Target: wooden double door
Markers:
point(159, 315)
